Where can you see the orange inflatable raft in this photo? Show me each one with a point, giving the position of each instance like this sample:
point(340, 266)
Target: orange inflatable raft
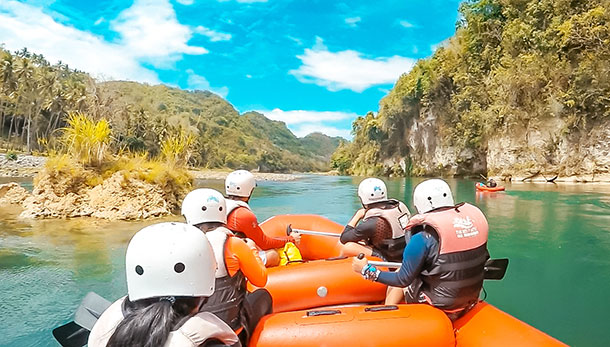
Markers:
point(322, 279)
point(483, 188)
point(400, 325)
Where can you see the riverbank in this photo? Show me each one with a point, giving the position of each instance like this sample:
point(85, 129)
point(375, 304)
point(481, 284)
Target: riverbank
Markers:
point(23, 166)
point(219, 174)
point(540, 178)
point(30, 165)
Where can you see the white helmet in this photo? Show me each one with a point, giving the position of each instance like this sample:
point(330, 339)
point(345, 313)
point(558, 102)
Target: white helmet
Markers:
point(431, 194)
point(372, 190)
point(240, 183)
point(169, 259)
point(204, 205)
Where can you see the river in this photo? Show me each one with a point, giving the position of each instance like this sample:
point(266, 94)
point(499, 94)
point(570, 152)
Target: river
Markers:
point(557, 237)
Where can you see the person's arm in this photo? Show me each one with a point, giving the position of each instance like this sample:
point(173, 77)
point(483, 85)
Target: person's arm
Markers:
point(417, 251)
point(245, 221)
point(247, 260)
point(362, 231)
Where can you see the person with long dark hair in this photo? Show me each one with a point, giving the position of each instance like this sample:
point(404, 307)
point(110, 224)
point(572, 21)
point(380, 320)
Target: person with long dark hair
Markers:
point(170, 275)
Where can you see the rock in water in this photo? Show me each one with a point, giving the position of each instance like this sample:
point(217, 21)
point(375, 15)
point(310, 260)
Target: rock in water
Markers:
point(12, 193)
point(117, 198)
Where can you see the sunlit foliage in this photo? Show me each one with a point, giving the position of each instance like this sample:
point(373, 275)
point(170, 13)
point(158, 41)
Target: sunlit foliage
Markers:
point(512, 64)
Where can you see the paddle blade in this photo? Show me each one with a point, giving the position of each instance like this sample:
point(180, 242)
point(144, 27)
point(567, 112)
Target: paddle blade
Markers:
point(495, 269)
point(90, 309)
point(71, 335)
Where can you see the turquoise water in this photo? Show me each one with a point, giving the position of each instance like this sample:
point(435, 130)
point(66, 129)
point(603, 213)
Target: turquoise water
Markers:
point(556, 236)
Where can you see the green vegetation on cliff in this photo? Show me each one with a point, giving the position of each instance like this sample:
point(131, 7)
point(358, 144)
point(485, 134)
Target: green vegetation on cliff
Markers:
point(36, 98)
point(511, 64)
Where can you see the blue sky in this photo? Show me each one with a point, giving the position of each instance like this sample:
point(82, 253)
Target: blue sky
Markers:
point(314, 64)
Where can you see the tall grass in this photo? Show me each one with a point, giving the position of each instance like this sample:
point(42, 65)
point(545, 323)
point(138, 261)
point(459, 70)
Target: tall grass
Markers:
point(176, 150)
point(86, 140)
point(87, 157)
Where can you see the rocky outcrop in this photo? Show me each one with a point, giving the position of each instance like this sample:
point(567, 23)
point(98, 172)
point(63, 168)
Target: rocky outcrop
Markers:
point(550, 150)
point(125, 198)
point(117, 198)
point(547, 150)
point(429, 153)
point(12, 193)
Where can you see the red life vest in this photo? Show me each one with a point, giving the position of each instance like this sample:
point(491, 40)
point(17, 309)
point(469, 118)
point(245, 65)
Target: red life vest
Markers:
point(455, 277)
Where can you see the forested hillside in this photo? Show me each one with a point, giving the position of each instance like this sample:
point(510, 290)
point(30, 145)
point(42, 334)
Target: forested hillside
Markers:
point(36, 98)
point(523, 88)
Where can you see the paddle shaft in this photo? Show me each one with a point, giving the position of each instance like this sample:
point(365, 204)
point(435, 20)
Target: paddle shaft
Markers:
point(316, 233)
point(384, 263)
point(494, 268)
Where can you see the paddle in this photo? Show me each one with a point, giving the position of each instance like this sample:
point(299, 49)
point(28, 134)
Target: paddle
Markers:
point(495, 269)
point(289, 229)
point(76, 333)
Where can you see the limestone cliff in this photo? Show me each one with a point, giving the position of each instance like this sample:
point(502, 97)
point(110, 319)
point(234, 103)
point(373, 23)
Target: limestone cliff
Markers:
point(520, 92)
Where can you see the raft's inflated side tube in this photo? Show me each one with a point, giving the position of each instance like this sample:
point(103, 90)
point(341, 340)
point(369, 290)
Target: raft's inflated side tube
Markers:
point(486, 325)
point(401, 325)
point(318, 283)
point(483, 188)
point(311, 247)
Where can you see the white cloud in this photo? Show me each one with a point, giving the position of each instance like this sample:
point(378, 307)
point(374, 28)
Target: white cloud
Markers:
point(213, 35)
point(244, 1)
point(198, 82)
point(348, 69)
point(295, 39)
point(303, 122)
point(23, 25)
point(99, 21)
point(186, 2)
point(302, 116)
point(306, 129)
point(406, 24)
point(436, 46)
point(148, 32)
point(151, 31)
point(352, 21)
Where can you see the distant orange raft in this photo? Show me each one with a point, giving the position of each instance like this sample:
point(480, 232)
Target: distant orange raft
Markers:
point(400, 325)
point(483, 188)
point(323, 279)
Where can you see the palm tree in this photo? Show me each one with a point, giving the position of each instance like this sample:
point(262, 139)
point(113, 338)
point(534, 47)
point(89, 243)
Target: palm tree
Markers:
point(7, 85)
point(27, 85)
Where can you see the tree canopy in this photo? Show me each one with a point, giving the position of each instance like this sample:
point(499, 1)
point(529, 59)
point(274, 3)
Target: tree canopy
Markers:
point(511, 63)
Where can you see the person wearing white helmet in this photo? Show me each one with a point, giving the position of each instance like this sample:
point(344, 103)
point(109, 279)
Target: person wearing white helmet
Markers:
point(237, 261)
point(170, 271)
point(443, 262)
point(239, 186)
point(377, 224)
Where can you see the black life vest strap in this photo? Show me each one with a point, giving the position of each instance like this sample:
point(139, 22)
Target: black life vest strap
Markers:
point(227, 301)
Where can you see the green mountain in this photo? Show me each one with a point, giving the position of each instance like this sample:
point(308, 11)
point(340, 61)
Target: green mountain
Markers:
point(521, 89)
point(35, 98)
